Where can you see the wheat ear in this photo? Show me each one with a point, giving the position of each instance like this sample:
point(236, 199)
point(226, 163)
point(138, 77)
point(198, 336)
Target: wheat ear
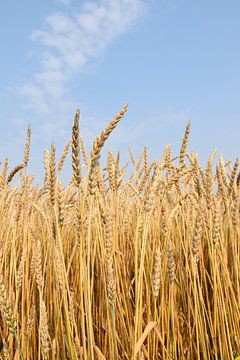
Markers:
point(232, 177)
point(43, 329)
point(6, 308)
point(14, 172)
point(184, 145)
point(171, 263)
point(53, 175)
point(97, 146)
point(76, 150)
point(100, 140)
point(27, 146)
point(156, 273)
point(64, 155)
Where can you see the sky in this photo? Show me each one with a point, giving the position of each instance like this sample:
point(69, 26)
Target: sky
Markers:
point(170, 60)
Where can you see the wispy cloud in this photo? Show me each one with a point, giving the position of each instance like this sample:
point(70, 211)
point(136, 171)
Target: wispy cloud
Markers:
point(64, 2)
point(68, 42)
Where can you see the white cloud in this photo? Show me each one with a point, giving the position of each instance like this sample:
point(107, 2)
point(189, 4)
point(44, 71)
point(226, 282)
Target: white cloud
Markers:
point(35, 95)
point(49, 61)
point(51, 82)
point(64, 2)
point(68, 42)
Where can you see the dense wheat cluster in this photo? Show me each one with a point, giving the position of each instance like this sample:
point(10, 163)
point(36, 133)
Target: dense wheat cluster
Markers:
point(119, 266)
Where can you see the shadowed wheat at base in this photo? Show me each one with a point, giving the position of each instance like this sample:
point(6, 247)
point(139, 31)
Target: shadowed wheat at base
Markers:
point(129, 260)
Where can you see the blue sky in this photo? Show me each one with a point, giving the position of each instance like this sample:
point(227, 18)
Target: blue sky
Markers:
point(172, 61)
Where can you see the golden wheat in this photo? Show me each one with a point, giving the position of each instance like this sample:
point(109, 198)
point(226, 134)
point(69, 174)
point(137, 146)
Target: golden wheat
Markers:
point(148, 267)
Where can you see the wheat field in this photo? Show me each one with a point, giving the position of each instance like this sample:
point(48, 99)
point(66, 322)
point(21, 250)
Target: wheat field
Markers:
point(116, 266)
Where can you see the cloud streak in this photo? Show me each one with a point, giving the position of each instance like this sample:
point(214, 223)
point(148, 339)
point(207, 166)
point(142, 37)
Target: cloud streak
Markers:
point(68, 42)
